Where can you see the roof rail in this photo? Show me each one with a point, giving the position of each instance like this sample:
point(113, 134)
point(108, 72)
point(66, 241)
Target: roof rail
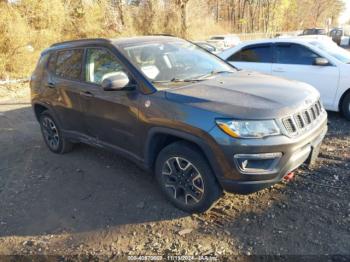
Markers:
point(80, 40)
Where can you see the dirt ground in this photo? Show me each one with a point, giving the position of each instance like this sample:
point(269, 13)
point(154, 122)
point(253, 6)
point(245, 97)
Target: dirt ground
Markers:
point(90, 203)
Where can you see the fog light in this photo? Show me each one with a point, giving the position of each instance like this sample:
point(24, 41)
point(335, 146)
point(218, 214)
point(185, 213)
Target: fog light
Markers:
point(257, 163)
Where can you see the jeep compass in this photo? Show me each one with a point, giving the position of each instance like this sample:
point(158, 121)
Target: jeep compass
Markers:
point(202, 126)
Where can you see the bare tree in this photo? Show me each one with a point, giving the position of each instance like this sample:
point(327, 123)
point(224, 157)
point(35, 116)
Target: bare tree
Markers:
point(182, 5)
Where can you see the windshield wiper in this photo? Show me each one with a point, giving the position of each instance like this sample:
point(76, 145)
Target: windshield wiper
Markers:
point(215, 72)
point(195, 79)
point(176, 80)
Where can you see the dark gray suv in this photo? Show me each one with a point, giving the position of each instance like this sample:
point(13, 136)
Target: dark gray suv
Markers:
point(171, 107)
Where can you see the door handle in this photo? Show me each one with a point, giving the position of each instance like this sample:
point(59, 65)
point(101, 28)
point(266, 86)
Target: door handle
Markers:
point(279, 70)
point(50, 85)
point(86, 93)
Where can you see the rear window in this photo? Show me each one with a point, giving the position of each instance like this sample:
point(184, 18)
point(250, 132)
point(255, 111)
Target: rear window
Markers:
point(314, 32)
point(217, 38)
point(41, 63)
point(69, 64)
point(253, 54)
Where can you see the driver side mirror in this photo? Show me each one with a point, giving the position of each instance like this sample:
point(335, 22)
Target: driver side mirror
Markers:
point(116, 81)
point(320, 61)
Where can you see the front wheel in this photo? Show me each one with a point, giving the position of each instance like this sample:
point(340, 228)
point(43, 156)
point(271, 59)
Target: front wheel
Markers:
point(345, 106)
point(186, 178)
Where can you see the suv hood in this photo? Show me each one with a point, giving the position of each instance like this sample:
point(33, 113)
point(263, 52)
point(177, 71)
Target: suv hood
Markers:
point(246, 95)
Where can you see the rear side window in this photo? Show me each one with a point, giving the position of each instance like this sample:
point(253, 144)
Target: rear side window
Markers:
point(294, 54)
point(253, 54)
point(69, 64)
point(52, 62)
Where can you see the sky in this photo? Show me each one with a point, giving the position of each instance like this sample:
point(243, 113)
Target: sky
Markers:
point(345, 17)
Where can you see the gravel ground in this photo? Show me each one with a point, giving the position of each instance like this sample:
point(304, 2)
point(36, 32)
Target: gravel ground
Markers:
point(91, 203)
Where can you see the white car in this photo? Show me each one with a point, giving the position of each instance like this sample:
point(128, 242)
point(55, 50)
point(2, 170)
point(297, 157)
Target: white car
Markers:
point(224, 41)
point(319, 63)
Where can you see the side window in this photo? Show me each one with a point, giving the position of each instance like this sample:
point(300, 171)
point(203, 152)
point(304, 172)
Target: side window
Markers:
point(100, 63)
point(294, 54)
point(69, 64)
point(52, 62)
point(253, 54)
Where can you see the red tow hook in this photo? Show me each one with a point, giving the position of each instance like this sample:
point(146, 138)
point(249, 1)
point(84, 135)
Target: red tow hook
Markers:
point(289, 176)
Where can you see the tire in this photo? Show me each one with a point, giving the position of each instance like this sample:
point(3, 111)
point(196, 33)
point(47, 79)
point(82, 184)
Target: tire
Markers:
point(345, 106)
point(52, 134)
point(186, 179)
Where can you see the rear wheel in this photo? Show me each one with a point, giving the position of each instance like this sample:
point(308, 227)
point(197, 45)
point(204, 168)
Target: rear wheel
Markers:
point(345, 106)
point(52, 134)
point(186, 178)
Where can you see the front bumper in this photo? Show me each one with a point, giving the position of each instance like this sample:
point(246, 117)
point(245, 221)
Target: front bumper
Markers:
point(295, 152)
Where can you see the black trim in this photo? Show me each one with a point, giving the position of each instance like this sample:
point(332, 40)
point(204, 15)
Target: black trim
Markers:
point(207, 151)
point(79, 137)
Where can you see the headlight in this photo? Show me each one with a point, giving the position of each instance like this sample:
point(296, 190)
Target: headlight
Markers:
point(249, 128)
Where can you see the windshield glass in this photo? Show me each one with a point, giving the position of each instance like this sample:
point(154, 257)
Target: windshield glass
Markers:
point(334, 50)
point(174, 61)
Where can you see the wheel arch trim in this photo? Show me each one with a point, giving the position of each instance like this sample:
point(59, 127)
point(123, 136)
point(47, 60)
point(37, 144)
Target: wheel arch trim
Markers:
point(150, 155)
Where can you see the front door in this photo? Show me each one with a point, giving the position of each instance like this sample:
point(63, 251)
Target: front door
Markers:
point(297, 62)
point(111, 117)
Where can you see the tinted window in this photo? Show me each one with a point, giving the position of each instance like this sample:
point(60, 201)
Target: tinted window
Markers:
point(69, 64)
point(41, 63)
point(217, 38)
point(294, 54)
point(254, 54)
point(100, 63)
point(52, 62)
point(314, 32)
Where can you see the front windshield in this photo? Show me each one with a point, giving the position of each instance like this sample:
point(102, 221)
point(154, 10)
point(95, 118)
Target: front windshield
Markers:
point(174, 61)
point(334, 50)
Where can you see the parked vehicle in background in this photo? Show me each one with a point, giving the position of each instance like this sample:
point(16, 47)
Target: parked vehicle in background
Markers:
point(322, 64)
point(207, 46)
point(340, 36)
point(198, 123)
point(315, 37)
point(222, 42)
point(336, 34)
point(314, 31)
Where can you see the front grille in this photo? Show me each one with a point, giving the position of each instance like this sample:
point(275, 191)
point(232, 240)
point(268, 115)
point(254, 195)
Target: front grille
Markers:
point(289, 125)
point(301, 121)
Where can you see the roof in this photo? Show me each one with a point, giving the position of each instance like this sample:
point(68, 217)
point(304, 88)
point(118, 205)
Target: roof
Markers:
point(298, 40)
point(115, 41)
point(285, 39)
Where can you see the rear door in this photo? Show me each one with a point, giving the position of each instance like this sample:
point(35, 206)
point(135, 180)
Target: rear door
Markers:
point(253, 57)
point(63, 82)
point(297, 62)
